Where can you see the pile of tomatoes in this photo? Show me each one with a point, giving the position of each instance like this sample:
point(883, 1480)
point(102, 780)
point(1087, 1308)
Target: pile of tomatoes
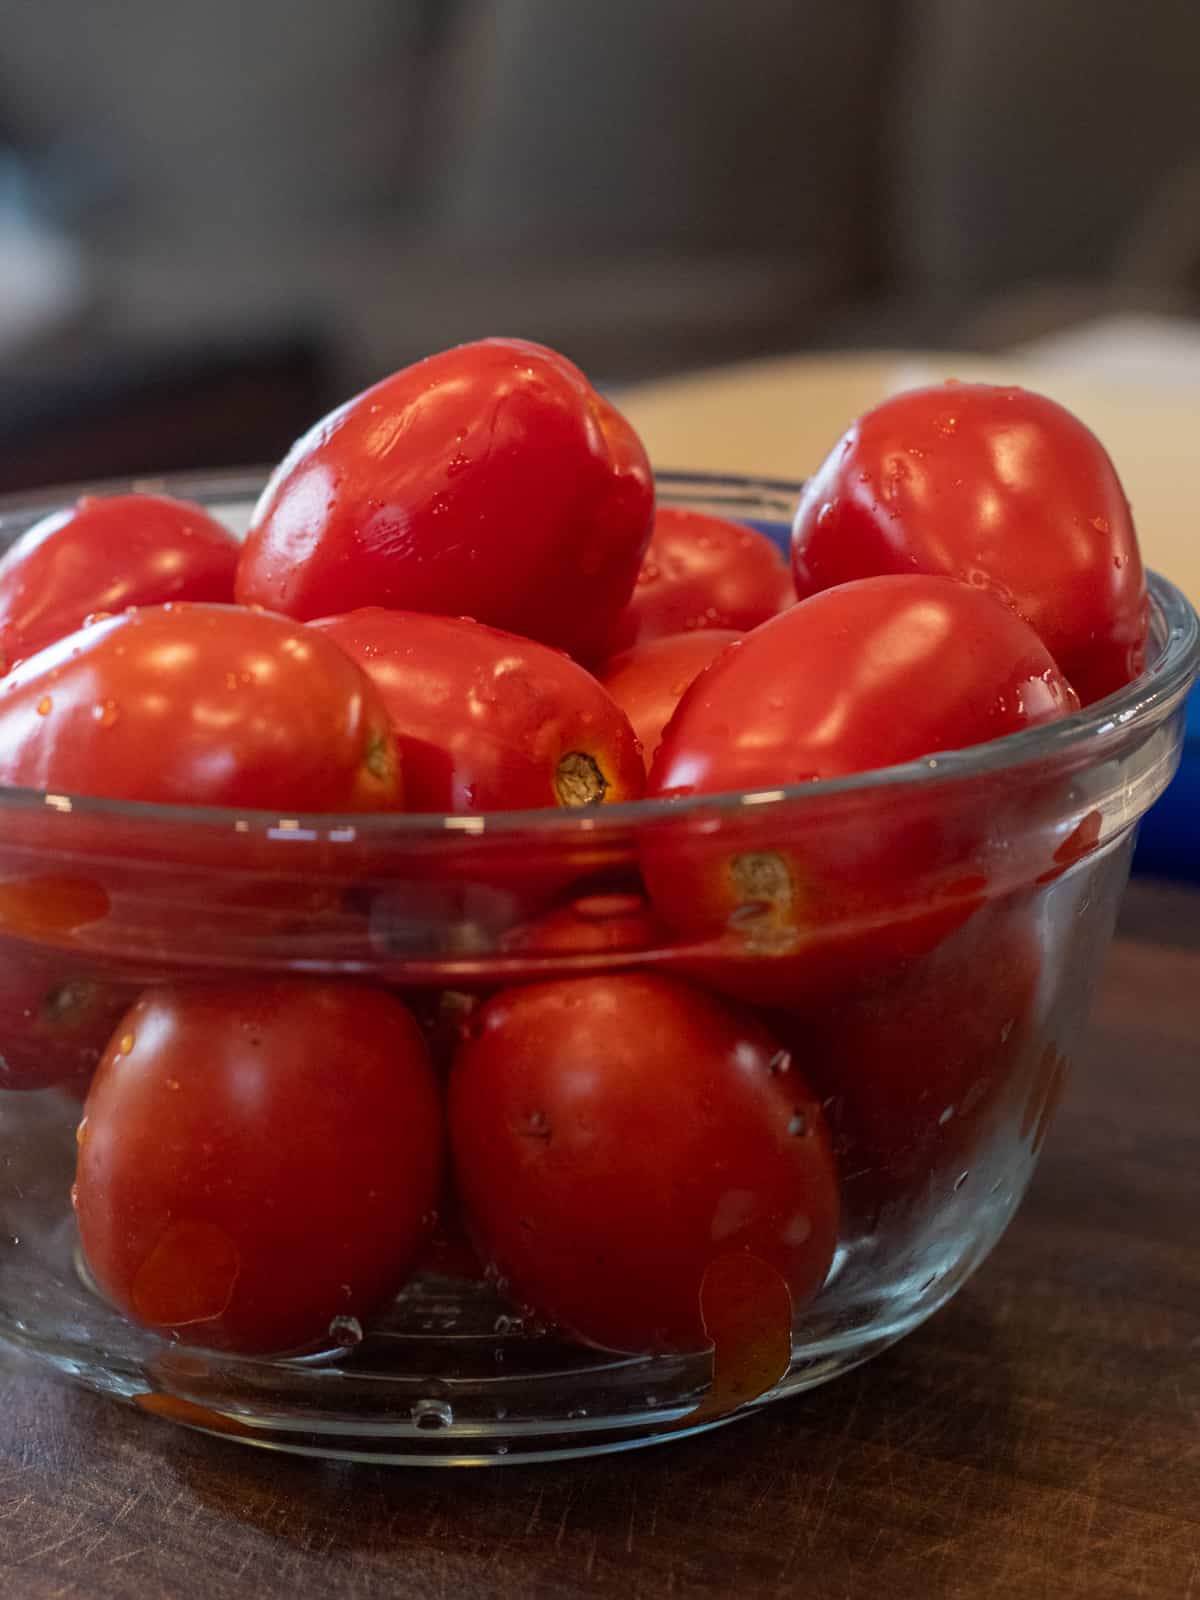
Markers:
point(457, 597)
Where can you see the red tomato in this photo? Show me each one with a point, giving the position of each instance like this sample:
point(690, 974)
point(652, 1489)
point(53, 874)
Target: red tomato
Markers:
point(489, 481)
point(56, 1016)
point(911, 1068)
point(103, 555)
point(257, 1160)
point(1001, 488)
point(487, 721)
point(867, 675)
point(648, 681)
point(702, 571)
point(201, 705)
point(589, 926)
point(613, 1136)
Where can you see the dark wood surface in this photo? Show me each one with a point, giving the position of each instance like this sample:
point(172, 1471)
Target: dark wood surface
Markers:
point(1040, 1437)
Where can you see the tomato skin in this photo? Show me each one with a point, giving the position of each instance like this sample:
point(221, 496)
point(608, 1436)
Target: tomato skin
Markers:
point(612, 1136)
point(489, 481)
point(487, 721)
point(56, 1016)
point(997, 487)
point(649, 680)
point(104, 554)
point(256, 1159)
point(701, 572)
point(903, 667)
point(200, 705)
point(867, 675)
point(910, 1069)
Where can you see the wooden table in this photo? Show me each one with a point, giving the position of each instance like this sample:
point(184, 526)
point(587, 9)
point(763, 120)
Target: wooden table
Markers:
point(1039, 1438)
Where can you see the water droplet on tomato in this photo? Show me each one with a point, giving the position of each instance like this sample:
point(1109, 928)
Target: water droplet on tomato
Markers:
point(44, 706)
point(106, 712)
point(346, 1332)
point(127, 1042)
point(960, 1180)
point(1101, 525)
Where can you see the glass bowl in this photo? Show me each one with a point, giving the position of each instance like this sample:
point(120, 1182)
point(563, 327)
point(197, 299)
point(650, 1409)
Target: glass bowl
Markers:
point(932, 1013)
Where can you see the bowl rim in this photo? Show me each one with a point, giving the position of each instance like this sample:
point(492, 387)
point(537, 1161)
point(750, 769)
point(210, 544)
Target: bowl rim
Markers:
point(1090, 733)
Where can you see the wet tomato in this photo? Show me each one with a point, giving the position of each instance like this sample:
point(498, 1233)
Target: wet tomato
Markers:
point(487, 721)
point(489, 481)
point(649, 680)
point(201, 705)
point(1000, 488)
point(613, 1137)
point(701, 571)
point(103, 554)
point(259, 1163)
point(867, 675)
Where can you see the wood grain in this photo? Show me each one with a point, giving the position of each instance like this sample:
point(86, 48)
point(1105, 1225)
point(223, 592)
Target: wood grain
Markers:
point(1039, 1438)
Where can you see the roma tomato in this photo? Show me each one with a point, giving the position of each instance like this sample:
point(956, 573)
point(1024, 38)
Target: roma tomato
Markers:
point(104, 554)
point(489, 481)
point(998, 487)
point(648, 681)
point(487, 721)
point(56, 1016)
point(910, 1070)
point(701, 571)
point(614, 1136)
point(201, 705)
point(793, 897)
point(259, 1160)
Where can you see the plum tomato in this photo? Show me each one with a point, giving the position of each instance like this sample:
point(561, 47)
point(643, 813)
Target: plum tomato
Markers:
point(910, 1069)
point(106, 553)
point(56, 1016)
point(870, 674)
point(614, 1136)
point(648, 680)
point(489, 481)
point(488, 721)
point(201, 705)
point(999, 488)
point(701, 571)
point(259, 1163)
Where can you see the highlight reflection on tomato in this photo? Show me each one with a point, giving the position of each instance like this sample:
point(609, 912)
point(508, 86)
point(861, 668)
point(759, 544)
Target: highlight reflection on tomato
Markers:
point(613, 1136)
point(702, 571)
point(871, 674)
point(1000, 488)
point(103, 554)
point(258, 1161)
point(649, 680)
point(198, 705)
point(488, 721)
point(489, 481)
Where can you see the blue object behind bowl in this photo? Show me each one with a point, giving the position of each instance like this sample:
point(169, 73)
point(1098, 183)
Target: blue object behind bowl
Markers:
point(1169, 838)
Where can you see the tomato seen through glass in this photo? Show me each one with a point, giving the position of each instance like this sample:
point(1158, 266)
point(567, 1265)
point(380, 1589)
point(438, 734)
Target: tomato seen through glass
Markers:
point(674, 1044)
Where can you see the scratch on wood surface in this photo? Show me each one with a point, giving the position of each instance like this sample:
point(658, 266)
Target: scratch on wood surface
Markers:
point(535, 1510)
point(56, 1544)
point(128, 1555)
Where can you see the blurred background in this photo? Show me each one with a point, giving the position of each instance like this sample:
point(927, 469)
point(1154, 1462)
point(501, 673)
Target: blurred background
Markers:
point(216, 220)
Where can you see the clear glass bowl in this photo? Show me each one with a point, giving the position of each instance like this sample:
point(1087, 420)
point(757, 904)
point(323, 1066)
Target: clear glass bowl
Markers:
point(934, 1020)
